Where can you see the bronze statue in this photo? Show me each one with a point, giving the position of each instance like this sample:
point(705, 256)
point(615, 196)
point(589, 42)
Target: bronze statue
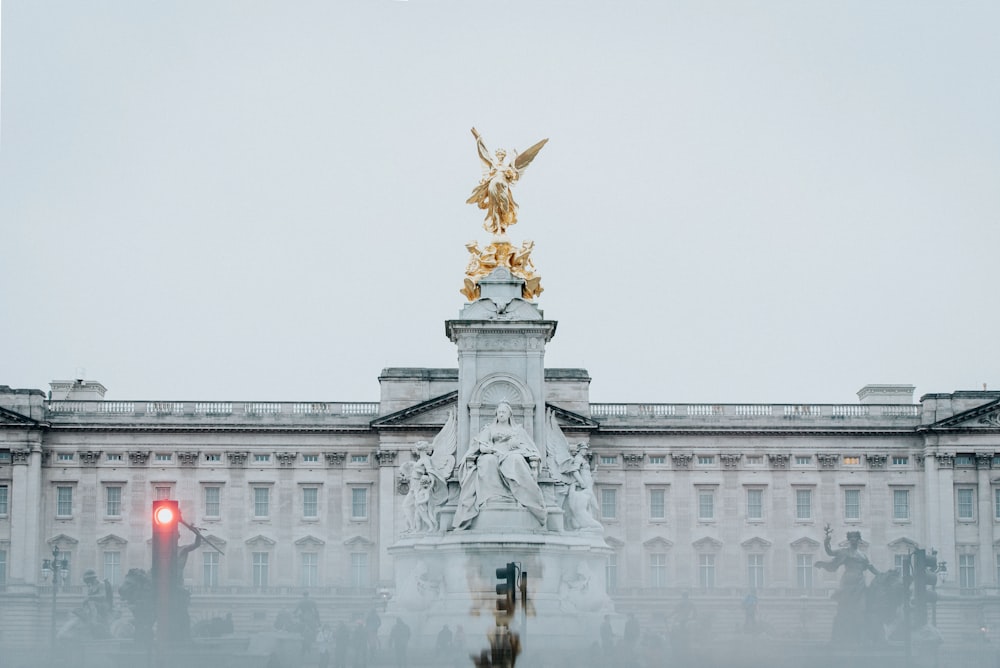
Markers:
point(849, 623)
point(500, 172)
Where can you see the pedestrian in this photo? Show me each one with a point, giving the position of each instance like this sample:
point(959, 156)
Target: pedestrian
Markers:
point(399, 638)
point(443, 645)
point(341, 644)
point(607, 636)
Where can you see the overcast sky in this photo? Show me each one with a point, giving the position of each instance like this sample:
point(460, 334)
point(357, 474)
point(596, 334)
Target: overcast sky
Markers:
point(739, 202)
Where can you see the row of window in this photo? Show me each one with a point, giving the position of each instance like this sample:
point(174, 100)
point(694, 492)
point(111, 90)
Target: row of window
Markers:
point(210, 457)
point(804, 570)
point(759, 460)
point(260, 501)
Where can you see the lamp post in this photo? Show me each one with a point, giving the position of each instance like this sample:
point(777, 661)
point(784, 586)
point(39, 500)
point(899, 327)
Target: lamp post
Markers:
point(58, 568)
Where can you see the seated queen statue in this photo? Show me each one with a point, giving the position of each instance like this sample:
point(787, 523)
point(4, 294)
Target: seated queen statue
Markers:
point(499, 465)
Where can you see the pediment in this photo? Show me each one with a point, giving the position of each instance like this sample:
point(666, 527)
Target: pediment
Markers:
point(310, 541)
point(62, 539)
point(707, 544)
point(9, 418)
point(359, 541)
point(901, 544)
point(614, 542)
point(986, 416)
point(804, 544)
point(756, 543)
point(261, 540)
point(214, 540)
point(431, 413)
point(658, 542)
point(111, 540)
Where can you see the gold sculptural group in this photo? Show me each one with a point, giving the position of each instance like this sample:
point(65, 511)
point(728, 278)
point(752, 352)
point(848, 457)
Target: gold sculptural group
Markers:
point(493, 194)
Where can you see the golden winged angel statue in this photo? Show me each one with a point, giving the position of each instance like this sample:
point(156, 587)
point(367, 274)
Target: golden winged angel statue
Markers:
point(500, 172)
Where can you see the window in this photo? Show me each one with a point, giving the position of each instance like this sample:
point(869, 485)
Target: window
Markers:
point(706, 504)
point(967, 571)
point(611, 573)
point(64, 457)
point(706, 460)
point(4, 507)
point(706, 571)
point(852, 504)
point(64, 501)
point(164, 457)
point(900, 460)
point(804, 571)
point(996, 505)
point(210, 569)
point(900, 504)
point(213, 496)
point(609, 459)
point(310, 458)
point(114, 457)
point(898, 560)
point(260, 569)
point(359, 459)
point(657, 504)
point(213, 457)
point(3, 567)
point(657, 459)
point(755, 504)
point(113, 501)
point(261, 501)
point(755, 571)
point(657, 569)
point(359, 569)
point(113, 567)
point(260, 458)
point(310, 569)
point(161, 493)
point(803, 460)
point(755, 460)
point(965, 460)
point(359, 502)
point(310, 502)
point(609, 503)
point(803, 504)
point(966, 504)
point(852, 460)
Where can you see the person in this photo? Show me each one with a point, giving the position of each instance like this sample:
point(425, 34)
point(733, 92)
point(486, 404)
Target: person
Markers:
point(372, 624)
point(96, 608)
point(359, 644)
point(493, 193)
point(631, 635)
point(499, 465)
point(607, 636)
point(750, 612)
point(307, 615)
point(323, 641)
point(399, 638)
point(443, 645)
point(341, 644)
point(680, 633)
point(849, 622)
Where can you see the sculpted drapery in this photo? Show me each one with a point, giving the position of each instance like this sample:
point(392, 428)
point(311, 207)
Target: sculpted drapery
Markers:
point(499, 465)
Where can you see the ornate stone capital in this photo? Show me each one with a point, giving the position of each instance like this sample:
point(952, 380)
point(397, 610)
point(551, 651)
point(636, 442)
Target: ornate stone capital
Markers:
point(90, 457)
point(681, 460)
point(335, 458)
point(919, 458)
point(286, 458)
point(187, 457)
point(827, 460)
point(876, 461)
point(20, 456)
point(385, 457)
point(633, 460)
point(983, 460)
point(945, 461)
point(779, 461)
point(238, 457)
point(730, 460)
point(138, 457)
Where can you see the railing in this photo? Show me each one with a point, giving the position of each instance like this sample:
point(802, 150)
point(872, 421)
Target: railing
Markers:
point(166, 409)
point(764, 412)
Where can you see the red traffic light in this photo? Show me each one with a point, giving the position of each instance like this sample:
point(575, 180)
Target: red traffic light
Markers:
point(166, 514)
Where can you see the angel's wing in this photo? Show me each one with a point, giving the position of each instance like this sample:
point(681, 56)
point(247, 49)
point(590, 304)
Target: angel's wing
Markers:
point(406, 469)
point(556, 448)
point(445, 445)
point(524, 159)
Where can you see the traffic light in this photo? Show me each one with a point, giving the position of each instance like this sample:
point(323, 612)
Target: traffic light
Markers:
point(507, 589)
point(166, 517)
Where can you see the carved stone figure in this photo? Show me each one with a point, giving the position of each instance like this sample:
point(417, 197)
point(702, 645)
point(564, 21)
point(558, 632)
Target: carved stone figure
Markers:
point(570, 467)
point(428, 478)
point(501, 463)
point(849, 623)
point(500, 172)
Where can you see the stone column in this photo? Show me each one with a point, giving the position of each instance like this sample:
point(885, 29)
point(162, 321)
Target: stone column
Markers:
point(386, 512)
point(26, 530)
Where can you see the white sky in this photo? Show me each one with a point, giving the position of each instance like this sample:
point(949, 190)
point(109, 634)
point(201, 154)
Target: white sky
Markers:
point(739, 202)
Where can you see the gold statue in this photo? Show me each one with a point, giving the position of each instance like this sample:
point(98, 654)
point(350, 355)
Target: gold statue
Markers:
point(493, 193)
point(501, 254)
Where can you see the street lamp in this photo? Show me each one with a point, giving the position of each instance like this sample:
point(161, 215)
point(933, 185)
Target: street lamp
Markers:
point(58, 569)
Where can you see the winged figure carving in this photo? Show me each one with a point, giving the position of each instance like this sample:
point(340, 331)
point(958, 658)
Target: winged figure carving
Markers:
point(500, 172)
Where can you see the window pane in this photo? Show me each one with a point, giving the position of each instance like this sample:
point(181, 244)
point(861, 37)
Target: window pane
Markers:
point(852, 504)
point(803, 504)
point(657, 505)
point(162, 493)
point(3, 499)
point(706, 571)
point(3, 567)
point(212, 501)
point(261, 499)
point(804, 571)
point(611, 573)
point(755, 571)
point(359, 569)
point(609, 504)
point(966, 571)
point(706, 505)
point(210, 571)
point(113, 567)
point(310, 502)
point(900, 504)
point(755, 504)
point(359, 502)
point(310, 569)
point(658, 569)
point(64, 500)
point(965, 504)
point(114, 499)
point(260, 569)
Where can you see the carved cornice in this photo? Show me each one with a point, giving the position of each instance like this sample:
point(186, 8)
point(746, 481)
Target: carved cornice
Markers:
point(335, 458)
point(876, 461)
point(188, 457)
point(991, 420)
point(945, 461)
point(681, 460)
point(730, 460)
point(20, 456)
point(286, 458)
point(779, 461)
point(90, 457)
point(385, 457)
point(238, 457)
point(827, 460)
point(138, 457)
point(633, 460)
